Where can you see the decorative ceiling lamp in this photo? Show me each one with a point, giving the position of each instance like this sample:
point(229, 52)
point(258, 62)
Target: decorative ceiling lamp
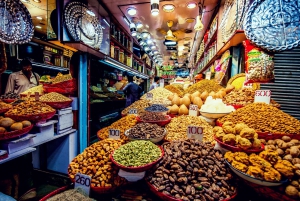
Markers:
point(199, 25)
point(170, 35)
point(154, 7)
point(191, 5)
point(145, 34)
point(131, 11)
point(139, 25)
point(168, 8)
point(132, 29)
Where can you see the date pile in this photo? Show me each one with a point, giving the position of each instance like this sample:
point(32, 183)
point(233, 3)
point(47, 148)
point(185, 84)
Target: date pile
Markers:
point(152, 116)
point(146, 131)
point(192, 170)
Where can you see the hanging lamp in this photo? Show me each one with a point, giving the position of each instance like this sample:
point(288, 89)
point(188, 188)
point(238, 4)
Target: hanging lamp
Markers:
point(199, 25)
point(154, 7)
point(132, 29)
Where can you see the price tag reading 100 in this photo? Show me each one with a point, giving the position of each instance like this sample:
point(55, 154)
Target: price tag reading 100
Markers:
point(114, 134)
point(195, 132)
point(84, 182)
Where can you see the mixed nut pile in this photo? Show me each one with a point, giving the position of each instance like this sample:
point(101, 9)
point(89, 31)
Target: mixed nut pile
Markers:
point(140, 105)
point(152, 116)
point(54, 97)
point(158, 93)
point(146, 131)
point(192, 170)
point(30, 108)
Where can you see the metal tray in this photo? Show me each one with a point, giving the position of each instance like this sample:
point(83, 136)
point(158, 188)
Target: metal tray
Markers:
point(273, 24)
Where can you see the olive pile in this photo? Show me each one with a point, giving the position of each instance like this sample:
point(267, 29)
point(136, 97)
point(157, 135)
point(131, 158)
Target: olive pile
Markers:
point(156, 108)
point(10, 95)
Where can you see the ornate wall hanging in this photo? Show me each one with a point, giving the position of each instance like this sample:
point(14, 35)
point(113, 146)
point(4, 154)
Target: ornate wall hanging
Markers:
point(273, 24)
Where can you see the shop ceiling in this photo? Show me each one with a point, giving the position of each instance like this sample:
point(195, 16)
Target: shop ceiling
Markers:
point(183, 18)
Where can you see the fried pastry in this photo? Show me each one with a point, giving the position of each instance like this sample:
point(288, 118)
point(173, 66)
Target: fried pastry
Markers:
point(270, 156)
point(256, 143)
point(217, 129)
point(272, 175)
point(256, 160)
point(229, 156)
point(239, 127)
point(285, 168)
point(248, 133)
point(220, 135)
point(255, 172)
point(227, 123)
point(240, 166)
point(229, 139)
point(243, 143)
point(241, 157)
point(228, 130)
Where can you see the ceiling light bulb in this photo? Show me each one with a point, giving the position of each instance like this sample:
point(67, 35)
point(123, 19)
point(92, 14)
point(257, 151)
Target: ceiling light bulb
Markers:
point(155, 52)
point(139, 25)
point(132, 29)
point(198, 26)
point(149, 42)
point(145, 34)
point(146, 48)
point(191, 5)
point(131, 11)
point(154, 7)
point(168, 8)
point(39, 18)
point(153, 47)
point(37, 1)
point(25, 1)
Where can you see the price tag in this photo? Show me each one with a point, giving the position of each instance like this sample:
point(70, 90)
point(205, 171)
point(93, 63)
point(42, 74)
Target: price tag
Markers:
point(84, 182)
point(149, 96)
point(193, 111)
point(37, 96)
point(133, 111)
point(195, 132)
point(249, 85)
point(208, 75)
point(262, 96)
point(114, 134)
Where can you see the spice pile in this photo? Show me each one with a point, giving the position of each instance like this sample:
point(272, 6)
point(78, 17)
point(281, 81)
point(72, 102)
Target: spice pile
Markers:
point(192, 170)
point(146, 131)
point(122, 124)
point(174, 89)
point(61, 78)
point(152, 116)
point(240, 135)
point(54, 97)
point(140, 105)
point(243, 97)
point(30, 108)
point(288, 149)
point(158, 93)
point(264, 118)
point(156, 108)
point(137, 153)
point(177, 128)
point(204, 85)
point(94, 161)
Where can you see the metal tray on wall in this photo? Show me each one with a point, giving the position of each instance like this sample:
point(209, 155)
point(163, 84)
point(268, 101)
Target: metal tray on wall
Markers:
point(273, 24)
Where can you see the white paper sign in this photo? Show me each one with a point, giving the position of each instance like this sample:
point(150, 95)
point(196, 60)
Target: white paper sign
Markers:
point(84, 182)
point(195, 132)
point(149, 96)
point(262, 96)
point(114, 134)
point(208, 75)
point(249, 85)
point(133, 111)
point(193, 110)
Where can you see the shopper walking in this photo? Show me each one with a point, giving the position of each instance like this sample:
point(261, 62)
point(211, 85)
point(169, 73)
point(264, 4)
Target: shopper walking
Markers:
point(132, 91)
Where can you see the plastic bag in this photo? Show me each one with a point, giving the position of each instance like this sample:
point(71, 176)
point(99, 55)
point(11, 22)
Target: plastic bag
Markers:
point(259, 64)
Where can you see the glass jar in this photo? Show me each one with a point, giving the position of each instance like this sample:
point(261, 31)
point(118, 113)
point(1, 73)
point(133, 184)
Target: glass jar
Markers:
point(129, 60)
point(116, 33)
point(112, 30)
point(117, 52)
point(134, 64)
point(112, 50)
point(122, 38)
point(129, 44)
point(125, 41)
point(125, 59)
point(121, 56)
point(119, 35)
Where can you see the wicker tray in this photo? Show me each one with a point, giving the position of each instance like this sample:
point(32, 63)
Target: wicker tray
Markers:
point(14, 134)
point(32, 118)
point(59, 105)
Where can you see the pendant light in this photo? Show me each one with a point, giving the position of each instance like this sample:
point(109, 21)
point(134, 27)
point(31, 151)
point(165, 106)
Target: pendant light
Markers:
point(199, 25)
point(154, 7)
point(132, 29)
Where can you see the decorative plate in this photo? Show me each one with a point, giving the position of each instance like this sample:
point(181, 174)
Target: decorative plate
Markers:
point(83, 24)
point(273, 24)
point(16, 26)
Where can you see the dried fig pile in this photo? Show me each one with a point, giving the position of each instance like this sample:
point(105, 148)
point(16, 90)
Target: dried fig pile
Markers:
point(192, 170)
point(264, 118)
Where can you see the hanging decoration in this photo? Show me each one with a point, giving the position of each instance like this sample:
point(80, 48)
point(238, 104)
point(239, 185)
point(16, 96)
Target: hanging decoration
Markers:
point(83, 25)
point(16, 26)
point(199, 25)
point(273, 24)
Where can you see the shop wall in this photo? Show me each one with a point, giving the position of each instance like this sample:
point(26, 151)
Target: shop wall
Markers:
point(286, 89)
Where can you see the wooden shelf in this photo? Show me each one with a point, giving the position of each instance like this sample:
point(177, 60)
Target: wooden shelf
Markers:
point(115, 41)
point(137, 58)
point(18, 154)
point(238, 37)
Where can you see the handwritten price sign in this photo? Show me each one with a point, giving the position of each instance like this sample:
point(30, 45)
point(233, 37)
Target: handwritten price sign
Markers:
point(249, 85)
point(195, 132)
point(84, 182)
point(193, 111)
point(262, 96)
point(149, 96)
point(133, 111)
point(114, 134)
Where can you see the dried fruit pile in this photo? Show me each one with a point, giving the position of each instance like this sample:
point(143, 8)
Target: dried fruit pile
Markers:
point(264, 118)
point(158, 93)
point(30, 108)
point(140, 105)
point(192, 170)
point(204, 85)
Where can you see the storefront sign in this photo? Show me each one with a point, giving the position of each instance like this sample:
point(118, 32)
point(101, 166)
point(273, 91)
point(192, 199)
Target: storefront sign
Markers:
point(195, 132)
point(262, 96)
point(149, 96)
point(114, 134)
point(193, 111)
point(133, 111)
point(84, 182)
